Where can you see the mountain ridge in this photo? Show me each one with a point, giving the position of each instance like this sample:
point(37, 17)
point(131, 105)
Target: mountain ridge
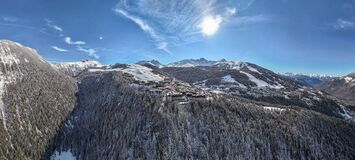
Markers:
point(131, 111)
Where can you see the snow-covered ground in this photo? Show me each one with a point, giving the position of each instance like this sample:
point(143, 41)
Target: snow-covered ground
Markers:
point(253, 69)
point(76, 67)
point(346, 114)
point(260, 83)
point(230, 79)
point(349, 79)
point(272, 109)
point(66, 155)
point(237, 65)
point(139, 72)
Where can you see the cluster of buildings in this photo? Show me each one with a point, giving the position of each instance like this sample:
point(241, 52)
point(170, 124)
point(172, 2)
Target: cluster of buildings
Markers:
point(172, 90)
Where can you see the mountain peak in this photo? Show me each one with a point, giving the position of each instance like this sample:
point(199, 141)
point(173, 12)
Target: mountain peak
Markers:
point(152, 62)
point(192, 63)
point(351, 75)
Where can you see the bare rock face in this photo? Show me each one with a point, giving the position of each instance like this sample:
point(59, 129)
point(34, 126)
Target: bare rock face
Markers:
point(115, 121)
point(35, 99)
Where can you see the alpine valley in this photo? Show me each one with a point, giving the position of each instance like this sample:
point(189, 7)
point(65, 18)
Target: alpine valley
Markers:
point(191, 109)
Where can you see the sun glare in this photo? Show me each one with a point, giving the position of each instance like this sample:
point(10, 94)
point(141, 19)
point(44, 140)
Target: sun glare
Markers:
point(209, 25)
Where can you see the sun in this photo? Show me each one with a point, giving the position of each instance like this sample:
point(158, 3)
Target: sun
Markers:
point(210, 25)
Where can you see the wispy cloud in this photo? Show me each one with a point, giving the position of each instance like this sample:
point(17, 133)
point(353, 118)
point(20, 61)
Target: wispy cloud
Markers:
point(9, 19)
point(80, 45)
point(245, 20)
point(250, 2)
point(69, 41)
point(53, 26)
point(171, 23)
point(59, 49)
point(341, 24)
point(90, 51)
point(161, 44)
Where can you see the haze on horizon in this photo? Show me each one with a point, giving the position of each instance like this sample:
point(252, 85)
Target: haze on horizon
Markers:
point(285, 36)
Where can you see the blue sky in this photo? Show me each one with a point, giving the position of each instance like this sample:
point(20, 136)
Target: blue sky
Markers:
point(301, 36)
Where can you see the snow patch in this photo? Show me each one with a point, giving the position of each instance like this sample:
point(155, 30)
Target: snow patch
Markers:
point(253, 69)
point(260, 83)
point(348, 79)
point(272, 109)
point(345, 113)
point(237, 65)
point(66, 155)
point(230, 79)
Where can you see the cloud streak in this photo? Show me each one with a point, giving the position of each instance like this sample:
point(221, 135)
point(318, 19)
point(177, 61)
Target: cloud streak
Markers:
point(80, 45)
point(9, 19)
point(341, 24)
point(59, 49)
point(53, 26)
point(69, 41)
point(146, 28)
point(171, 23)
point(90, 51)
point(245, 20)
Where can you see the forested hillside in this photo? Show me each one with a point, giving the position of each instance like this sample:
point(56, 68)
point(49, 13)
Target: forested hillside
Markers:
point(35, 99)
point(115, 121)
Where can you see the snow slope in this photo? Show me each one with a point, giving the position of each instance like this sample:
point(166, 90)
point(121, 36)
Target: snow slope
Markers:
point(67, 155)
point(74, 68)
point(260, 83)
point(140, 73)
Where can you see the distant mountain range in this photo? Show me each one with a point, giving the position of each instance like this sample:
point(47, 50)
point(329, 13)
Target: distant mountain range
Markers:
point(191, 109)
point(183, 63)
point(314, 80)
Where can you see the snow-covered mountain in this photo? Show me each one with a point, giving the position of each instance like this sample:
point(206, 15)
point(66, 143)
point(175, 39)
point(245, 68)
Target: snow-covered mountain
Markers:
point(343, 87)
point(138, 72)
point(192, 63)
point(312, 80)
point(74, 68)
point(151, 62)
point(124, 114)
point(254, 82)
point(228, 110)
